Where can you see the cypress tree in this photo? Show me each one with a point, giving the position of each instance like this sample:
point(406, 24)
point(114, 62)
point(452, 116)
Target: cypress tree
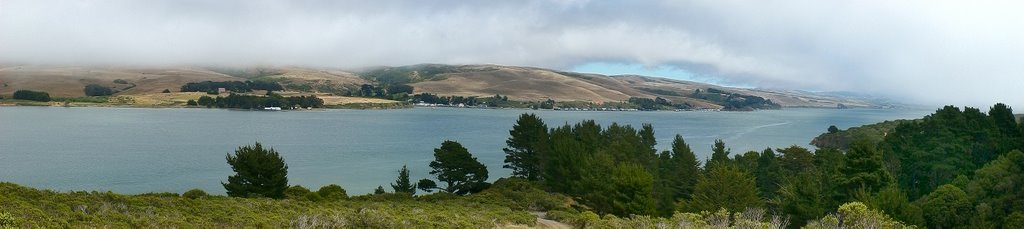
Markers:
point(528, 138)
point(258, 173)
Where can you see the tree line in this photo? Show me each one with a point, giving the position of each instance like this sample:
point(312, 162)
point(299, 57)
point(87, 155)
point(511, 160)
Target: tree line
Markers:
point(233, 86)
point(258, 102)
point(31, 95)
point(952, 163)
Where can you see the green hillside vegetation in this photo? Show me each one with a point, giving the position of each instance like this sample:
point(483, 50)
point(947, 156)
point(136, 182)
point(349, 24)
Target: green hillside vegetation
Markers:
point(873, 133)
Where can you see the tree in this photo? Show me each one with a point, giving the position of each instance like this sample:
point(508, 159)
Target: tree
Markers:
point(97, 90)
point(723, 186)
point(258, 173)
point(166, 91)
point(402, 184)
point(206, 101)
point(192, 102)
point(999, 185)
point(833, 129)
point(946, 207)
point(719, 154)
point(456, 167)
point(527, 140)
point(379, 190)
point(632, 187)
point(426, 185)
point(864, 168)
point(686, 167)
point(769, 173)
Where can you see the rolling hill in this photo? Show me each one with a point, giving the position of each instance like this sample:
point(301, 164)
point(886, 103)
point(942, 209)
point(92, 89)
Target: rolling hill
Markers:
point(518, 83)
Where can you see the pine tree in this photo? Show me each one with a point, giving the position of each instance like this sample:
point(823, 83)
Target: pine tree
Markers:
point(769, 173)
point(527, 141)
point(379, 190)
point(686, 168)
point(258, 173)
point(719, 155)
point(403, 184)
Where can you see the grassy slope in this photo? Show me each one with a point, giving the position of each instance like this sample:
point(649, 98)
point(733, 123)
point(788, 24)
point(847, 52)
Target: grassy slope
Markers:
point(47, 209)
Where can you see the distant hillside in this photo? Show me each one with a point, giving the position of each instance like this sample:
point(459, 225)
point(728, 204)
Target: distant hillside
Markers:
point(517, 83)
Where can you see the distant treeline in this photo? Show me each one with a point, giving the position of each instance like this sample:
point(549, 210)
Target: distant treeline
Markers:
point(233, 86)
point(32, 95)
point(657, 103)
point(259, 102)
point(733, 101)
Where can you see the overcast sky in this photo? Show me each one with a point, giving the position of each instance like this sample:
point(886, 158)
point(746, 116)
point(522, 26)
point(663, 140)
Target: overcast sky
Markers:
point(932, 52)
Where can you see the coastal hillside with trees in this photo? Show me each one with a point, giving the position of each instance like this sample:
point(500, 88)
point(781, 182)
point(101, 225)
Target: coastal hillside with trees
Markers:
point(954, 168)
point(524, 87)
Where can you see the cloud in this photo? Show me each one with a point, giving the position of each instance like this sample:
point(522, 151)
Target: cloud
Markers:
point(923, 51)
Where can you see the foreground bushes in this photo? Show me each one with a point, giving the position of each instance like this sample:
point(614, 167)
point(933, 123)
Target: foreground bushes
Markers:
point(27, 207)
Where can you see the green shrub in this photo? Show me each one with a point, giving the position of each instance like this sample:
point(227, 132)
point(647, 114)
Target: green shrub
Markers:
point(296, 192)
point(195, 194)
point(332, 192)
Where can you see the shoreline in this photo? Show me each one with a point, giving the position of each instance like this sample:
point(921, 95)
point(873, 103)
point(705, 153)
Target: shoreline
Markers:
point(400, 106)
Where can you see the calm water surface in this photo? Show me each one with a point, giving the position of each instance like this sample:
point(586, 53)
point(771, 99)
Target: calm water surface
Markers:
point(136, 150)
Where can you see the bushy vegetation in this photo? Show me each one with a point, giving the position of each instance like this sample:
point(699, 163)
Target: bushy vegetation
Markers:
point(260, 102)
point(734, 101)
point(31, 95)
point(233, 86)
point(98, 90)
point(657, 103)
point(26, 207)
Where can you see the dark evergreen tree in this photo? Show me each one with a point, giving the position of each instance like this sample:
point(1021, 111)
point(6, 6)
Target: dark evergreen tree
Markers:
point(258, 173)
point(379, 190)
point(458, 169)
point(528, 140)
point(403, 184)
point(723, 186)
point(631, 191)
point(769, 173)
point(719, 155)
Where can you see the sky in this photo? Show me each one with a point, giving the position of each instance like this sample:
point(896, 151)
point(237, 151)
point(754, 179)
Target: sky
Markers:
point(920, 51)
